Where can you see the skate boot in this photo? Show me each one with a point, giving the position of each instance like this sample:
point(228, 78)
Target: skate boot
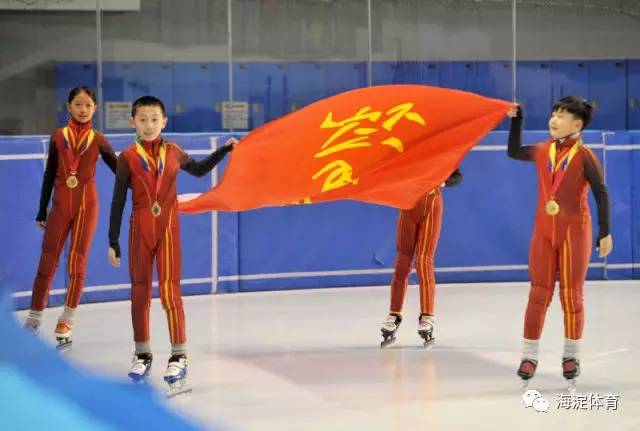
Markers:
point(140, 366)
point(571, 370)
point(425, 329)
point(526, 371)
point(63, 335)
point(176, 375)
point(32, 325)
point(389, 328)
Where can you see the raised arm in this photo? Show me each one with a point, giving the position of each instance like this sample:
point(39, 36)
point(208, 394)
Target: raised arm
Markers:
point(515, 150)
point(206, 165)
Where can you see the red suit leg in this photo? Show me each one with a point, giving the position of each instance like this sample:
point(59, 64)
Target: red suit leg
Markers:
point(428, 236)
point(543, 267)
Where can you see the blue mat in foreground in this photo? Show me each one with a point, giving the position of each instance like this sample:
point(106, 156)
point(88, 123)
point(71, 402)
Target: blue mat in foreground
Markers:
point(41, 391)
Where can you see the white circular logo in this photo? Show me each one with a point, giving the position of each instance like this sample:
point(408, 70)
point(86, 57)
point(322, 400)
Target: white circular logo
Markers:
point(530, 396)
point(541, 405)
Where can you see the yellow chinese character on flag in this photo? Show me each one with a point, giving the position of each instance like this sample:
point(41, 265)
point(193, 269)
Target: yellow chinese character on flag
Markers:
point(358, 137)
point(340, 174)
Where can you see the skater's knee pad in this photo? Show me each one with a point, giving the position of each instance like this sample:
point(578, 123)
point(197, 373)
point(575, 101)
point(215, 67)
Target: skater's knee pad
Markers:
point(140, 307)
point(403, 265)
point(141, 279)
point(540, 295)
point(426, 260)
point(425, 266)
point(404, 256)
point(170, 294)
point(77, 264)
point(48, 264)
point(140, 296)
point(577, 303)
point(572, 301)
point(173, 302)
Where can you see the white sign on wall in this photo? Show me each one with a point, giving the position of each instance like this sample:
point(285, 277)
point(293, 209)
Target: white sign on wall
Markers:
point(235, 115)
point(117, 115)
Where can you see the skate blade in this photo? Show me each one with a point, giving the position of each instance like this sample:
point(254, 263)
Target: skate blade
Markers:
point(427, 340)
point(428, 345)
point(138, 379)
point(32, 331)
point(387, 343)
point(571, 388)
point(427, 337)
point(64, 345)
point(524, 385)
point(174, 392)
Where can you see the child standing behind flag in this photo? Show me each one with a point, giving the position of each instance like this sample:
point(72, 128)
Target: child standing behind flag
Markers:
point(418, 233)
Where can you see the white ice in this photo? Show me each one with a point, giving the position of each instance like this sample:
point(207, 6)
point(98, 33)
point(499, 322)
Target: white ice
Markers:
point(310, 360)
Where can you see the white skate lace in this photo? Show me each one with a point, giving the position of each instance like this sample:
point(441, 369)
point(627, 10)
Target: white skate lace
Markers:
point(31, 324)
point(425, 324)
point(174, 368)
point(138, 367)
point(390, 322)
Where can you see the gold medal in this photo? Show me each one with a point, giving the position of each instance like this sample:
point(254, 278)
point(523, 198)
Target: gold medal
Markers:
point(72, 181)
point(156, 209)
point(552, 208)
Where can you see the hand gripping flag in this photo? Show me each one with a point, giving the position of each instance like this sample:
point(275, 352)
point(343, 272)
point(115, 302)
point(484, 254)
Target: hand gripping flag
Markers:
point(386, 144)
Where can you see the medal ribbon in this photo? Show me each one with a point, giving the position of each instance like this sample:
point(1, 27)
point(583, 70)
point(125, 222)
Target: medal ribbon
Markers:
point(557, 168)
point(76, 145)
point(154, 168)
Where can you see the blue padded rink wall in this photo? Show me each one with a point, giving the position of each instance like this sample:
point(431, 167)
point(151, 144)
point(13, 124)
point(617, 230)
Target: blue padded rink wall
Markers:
point(309, 359)
point(486, 228)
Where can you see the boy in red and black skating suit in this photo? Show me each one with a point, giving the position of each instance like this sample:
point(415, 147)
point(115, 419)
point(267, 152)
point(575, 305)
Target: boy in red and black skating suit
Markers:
point(150, 167)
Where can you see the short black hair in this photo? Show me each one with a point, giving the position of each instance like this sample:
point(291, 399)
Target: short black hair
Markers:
point(576, 106)
point(82, 89)
point(148, 101)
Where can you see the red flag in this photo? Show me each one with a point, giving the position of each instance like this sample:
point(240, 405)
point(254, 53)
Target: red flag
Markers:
point(385, 144)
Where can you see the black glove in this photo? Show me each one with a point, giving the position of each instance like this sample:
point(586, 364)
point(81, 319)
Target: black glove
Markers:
point(602, 232)
point(454, 179)
point(42, 215)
